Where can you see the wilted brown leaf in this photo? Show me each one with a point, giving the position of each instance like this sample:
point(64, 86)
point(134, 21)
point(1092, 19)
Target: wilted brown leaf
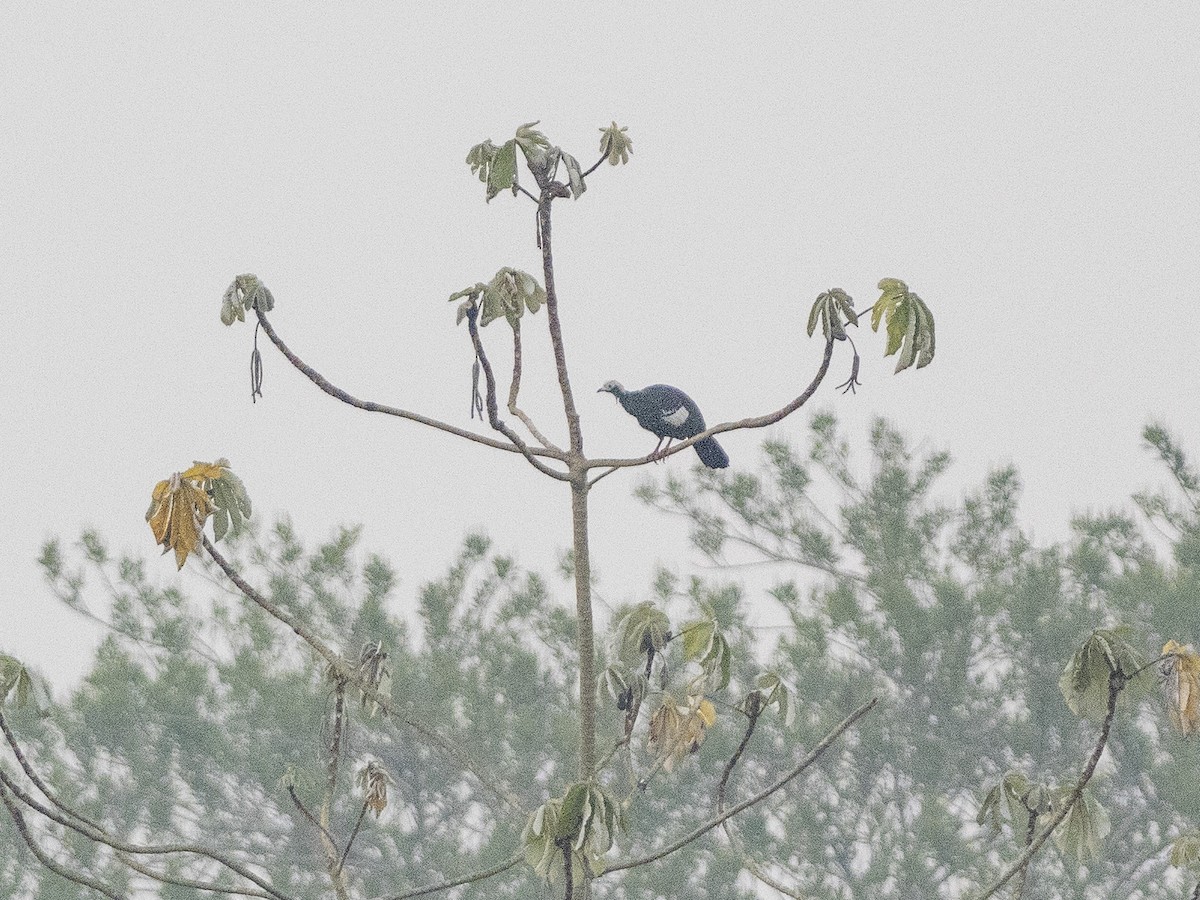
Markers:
point(1181, 683)
point(178, 510)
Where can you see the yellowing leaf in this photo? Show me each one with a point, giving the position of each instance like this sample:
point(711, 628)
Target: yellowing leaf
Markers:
point(178, 510)
point(1181, 683)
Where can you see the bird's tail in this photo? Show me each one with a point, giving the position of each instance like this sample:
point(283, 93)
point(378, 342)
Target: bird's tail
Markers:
point(711, 453)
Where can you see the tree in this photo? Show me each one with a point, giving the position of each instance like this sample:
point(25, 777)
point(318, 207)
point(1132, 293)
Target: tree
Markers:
point(568, 837)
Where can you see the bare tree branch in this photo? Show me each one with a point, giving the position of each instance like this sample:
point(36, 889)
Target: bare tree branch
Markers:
point(515, 389)
point(370, 406)
point(750, 422)
point(72, 820)
point(493, 409)
point(44, 858)
point(362, 813)
point(308, 814)
point(712, 823)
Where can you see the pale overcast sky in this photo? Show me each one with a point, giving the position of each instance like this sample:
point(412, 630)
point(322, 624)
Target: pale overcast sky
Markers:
point(1030, 169)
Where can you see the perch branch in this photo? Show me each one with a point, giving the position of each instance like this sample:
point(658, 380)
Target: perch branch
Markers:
point(456, 882)
point(751, 422)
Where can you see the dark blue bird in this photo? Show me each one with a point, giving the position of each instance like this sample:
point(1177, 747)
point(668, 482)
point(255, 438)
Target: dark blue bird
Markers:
point(669, 413)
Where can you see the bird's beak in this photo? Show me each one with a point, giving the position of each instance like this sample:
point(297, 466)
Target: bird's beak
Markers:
point(600, 391)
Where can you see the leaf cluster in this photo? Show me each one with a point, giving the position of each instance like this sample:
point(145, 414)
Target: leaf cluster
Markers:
point(181, 504)
point(497, 166)
point(508, 295)
point(910, 329)
point(583, 824)
point(246, 292)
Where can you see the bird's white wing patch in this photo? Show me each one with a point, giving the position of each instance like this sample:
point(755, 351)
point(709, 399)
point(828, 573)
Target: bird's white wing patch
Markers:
point(676, 417)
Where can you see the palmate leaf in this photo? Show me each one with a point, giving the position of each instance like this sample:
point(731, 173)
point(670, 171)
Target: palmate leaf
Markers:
point(585, 821)
point(910, 327)
point(615, 144)
point(638, 631)
point(833, 308)
point(508, 295)
point(502, 172)
point(180, 505)
point(1084, 829)
point(1085, 680)
point(677, 729)
point(178, 510)
point(373, 780)
point(18, 687)
point(245, 293)
point(1185, 851)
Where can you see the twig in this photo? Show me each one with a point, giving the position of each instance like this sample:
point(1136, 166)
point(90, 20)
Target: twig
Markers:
point(493, 409)
point(353, 834)
point(1116, 683)
point(47, 861)
point(712, 823)
point(308, 814)
point(515, 388)
point(457, 881)
point(564, 844)
point(750, 422)
point(603, 157)
point(370, 406)
point(1030, 831)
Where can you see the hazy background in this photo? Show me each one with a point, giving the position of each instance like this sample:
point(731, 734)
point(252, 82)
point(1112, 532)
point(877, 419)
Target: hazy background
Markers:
point(1031, 170)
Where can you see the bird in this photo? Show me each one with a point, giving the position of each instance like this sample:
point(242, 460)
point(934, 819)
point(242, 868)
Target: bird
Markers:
point(669, 413)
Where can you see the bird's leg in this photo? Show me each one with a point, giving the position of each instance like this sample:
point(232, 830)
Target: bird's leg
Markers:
point(654, 454)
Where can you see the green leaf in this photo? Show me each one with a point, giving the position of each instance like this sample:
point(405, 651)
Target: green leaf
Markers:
point(639, 630)
point(697, 638)
point(574, 175)
point(615, 144)
point(571, 816)
point(1185, 851)
point(480, 157)
point(502, 173)
point(1083, 830)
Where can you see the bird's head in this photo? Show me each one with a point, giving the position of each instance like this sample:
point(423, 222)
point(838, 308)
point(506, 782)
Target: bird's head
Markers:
point(613, 387)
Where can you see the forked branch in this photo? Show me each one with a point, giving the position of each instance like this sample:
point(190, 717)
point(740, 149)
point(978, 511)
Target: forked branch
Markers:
point(370, 406)
point(515, 388)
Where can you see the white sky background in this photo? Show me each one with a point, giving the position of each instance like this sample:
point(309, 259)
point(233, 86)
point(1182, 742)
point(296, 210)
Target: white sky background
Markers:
point(1030, 169)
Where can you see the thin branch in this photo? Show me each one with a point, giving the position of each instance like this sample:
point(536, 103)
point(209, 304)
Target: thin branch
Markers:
point(308, 814)
point(493, 410)
point(72, 820)
point(46, 860)
point(1116, 682)
point(1030, 832)
point(603, 474)
point(712, 823)
point(370, 406)
point(457, 881)
point(125, 858)
point(188, 882)
point(750, 422)
point(332, 855)
point(753, 711)
point(515, 388)
point(564, 844)
point(342, 669)
point(353, 834)
point(603, 157)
